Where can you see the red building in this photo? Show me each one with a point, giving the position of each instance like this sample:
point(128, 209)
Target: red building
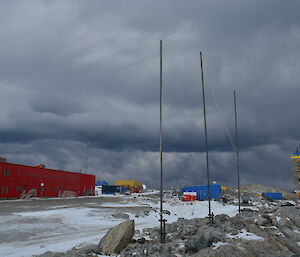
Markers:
point(20, 181)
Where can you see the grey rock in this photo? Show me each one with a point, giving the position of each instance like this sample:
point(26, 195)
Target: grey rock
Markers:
point(262, 221)
point(196, 243)
point(245, 199)
point(270, 209)
point(166, 212)
point(220, 219)
point(256, 230)
point(117, 238)
point(213, 234)
point(290, 234)
point(269, 220)
point(295, 219)
point(230, 251)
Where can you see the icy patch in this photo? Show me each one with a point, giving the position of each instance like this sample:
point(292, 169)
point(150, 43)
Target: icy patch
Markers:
point(124, 205)
point(245, 235)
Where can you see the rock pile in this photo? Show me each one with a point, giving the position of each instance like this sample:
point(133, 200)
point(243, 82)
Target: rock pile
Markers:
point(248, 234)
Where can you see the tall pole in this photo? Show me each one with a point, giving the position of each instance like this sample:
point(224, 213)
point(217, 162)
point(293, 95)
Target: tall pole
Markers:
point(237, 152)
point(162, 220)
point(86, 157)
point(206, 143)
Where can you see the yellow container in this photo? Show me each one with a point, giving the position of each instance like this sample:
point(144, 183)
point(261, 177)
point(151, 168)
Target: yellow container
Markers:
point(129, 184)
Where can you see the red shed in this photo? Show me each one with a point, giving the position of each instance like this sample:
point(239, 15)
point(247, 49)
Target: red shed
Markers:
point(20, 181)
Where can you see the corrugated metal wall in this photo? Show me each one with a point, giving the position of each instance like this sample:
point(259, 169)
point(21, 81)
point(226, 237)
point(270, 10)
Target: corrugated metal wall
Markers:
point(15, 179)
point(274, 196)
point(202, 191)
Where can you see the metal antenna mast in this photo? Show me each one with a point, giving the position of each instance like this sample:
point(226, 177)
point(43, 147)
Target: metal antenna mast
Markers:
point(237, 152)
point(206, 143)
point(162, 220)
point(86, 157)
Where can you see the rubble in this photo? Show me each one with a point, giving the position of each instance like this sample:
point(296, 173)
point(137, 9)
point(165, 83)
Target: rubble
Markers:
point(251, 233)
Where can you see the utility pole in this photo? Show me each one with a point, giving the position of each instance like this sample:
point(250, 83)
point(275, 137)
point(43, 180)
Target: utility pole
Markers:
point(206, 143)
point(237, 152)
point(162, 220)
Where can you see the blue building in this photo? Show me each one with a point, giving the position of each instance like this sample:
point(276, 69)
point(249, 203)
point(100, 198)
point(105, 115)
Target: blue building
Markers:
point(273, 196)
point(202, 191)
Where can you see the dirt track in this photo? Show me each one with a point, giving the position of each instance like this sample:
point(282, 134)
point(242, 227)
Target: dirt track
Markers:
point(39, 204)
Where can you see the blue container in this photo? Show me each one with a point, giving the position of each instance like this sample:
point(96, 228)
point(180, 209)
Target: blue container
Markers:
point(123, 189)
point(202, 191)
point(273, 196)
point(112, 189)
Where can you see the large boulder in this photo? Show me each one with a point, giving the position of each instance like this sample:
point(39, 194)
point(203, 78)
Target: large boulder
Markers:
point(116, 238)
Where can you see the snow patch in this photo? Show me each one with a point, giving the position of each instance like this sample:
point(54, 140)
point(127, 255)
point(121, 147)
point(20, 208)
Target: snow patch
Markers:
point(245, 235)
point(218, 244)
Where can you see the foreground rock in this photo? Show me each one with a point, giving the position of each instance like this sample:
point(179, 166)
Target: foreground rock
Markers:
point(117, 238)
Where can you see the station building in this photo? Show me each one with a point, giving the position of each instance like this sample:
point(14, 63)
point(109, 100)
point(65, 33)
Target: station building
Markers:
point(21, 181)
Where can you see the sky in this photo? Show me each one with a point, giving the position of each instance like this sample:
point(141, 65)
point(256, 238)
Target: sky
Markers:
point(79, 80)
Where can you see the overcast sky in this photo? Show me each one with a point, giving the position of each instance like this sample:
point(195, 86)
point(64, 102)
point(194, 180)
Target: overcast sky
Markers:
point(75, 72)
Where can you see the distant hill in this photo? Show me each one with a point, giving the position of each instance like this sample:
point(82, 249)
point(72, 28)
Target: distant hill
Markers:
point(257, 188)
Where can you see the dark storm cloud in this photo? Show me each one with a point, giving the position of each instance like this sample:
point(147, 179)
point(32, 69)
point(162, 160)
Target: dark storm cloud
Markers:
point(73, 72)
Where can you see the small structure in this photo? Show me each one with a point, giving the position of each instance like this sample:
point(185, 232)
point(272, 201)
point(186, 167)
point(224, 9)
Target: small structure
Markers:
point(296, 158)
point(3, 159)
point(98, 187)
point(131, 185)
point(272, 196)
point(112, 189)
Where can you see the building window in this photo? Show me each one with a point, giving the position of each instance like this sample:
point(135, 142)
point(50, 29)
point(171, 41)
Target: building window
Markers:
point(19, 173)
point(4, 190)
point(28, 174)
point(46, 176)
point(7, 172)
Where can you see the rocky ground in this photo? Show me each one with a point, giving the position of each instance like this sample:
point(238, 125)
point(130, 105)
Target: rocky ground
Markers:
point(267, 229)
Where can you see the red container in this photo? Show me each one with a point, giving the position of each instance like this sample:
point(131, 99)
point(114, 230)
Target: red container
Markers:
point(17, 180)
point(186, 197)
point(193, 197)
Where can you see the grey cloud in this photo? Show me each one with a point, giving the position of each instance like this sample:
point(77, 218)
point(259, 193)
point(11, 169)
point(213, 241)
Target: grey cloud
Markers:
point(82, 72)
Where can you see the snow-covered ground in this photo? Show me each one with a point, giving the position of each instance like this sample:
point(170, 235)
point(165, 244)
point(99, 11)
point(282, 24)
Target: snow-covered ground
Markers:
point(61, 227)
